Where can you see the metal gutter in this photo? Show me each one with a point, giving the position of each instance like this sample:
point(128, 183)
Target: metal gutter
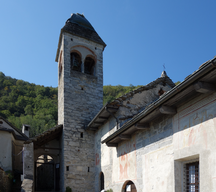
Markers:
point(206, 67)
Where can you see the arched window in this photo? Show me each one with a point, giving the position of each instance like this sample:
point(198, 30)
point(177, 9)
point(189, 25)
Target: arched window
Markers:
point(44, 159)
point(89, 66)
point(75, 61)
point(101, 181)
point(129, 187)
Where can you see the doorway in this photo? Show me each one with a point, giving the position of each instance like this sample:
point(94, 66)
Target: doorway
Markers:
point(129, 186)
point(44, 173)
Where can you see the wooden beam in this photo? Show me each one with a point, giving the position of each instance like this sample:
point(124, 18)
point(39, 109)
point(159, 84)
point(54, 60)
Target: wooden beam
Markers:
point(140, 126)
point(167, 110)
point(100, 117)
point(51, 148)
point(124, 137)
point(93, 128)
point(100, 123)
point(112, 144)
point(112, 109)
point(203, 87)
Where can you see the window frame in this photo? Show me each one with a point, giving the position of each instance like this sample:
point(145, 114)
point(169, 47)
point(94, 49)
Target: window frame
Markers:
point(188, 176)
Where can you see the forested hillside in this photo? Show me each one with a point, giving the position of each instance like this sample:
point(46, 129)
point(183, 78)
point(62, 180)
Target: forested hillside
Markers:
point(26, 103)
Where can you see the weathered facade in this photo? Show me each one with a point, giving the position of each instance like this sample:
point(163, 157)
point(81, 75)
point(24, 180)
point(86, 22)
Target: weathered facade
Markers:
point(159, 137)
point(168, 146)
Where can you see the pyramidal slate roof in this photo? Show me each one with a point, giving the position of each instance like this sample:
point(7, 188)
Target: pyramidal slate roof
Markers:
point(78, 25)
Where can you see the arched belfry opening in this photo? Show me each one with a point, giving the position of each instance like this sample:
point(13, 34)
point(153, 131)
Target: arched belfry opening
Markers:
point(129, 186)
point(75, 61)
point(89, 65)
point(101, 181)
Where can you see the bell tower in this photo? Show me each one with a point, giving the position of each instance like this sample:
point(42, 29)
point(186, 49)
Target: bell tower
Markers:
point(80, 97)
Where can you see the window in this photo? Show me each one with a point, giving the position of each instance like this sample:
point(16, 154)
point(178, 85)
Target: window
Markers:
point(89, 65)
point(192, 177)
point(75, 61)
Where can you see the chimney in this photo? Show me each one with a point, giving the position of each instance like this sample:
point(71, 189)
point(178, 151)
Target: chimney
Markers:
point(25, 129)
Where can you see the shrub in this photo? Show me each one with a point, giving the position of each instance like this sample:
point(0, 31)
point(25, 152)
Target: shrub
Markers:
point(9, 174)
point(68, 189)
point(110, 190)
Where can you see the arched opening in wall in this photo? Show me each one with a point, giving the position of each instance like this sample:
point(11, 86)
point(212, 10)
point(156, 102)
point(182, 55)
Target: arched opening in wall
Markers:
point(101, 181)
point(129, 186)
point(44, 173)
point(89, 65)
point(75, 61)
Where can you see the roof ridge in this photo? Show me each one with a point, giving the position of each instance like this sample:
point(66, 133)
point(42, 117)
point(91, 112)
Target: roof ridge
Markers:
point(13, 127)
point(143, 88)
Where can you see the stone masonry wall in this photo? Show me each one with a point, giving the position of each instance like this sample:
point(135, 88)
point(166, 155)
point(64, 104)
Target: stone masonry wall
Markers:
point(5, 182)
point(80, 99)
point(28, 168)
point(61, 109)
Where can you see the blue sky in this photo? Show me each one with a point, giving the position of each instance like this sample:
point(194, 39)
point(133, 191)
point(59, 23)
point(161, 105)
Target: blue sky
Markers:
point(141, 36)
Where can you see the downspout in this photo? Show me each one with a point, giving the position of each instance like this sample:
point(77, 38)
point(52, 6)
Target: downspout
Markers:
point(106, 108)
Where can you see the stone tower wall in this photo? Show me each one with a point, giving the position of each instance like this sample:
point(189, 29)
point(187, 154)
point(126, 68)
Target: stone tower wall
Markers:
point(80, 99)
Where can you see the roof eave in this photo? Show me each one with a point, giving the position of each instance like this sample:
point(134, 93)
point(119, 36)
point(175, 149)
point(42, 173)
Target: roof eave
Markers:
point(60, 37)
point(115, 101)
point(58, 49)
point(14, 134)
point(209, 65)
point(22, 134)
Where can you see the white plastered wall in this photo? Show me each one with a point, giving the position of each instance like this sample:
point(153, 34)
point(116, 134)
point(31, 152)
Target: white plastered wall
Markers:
point(6, 150)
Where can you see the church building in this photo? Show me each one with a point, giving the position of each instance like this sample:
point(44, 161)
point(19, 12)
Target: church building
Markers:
point(159, 137)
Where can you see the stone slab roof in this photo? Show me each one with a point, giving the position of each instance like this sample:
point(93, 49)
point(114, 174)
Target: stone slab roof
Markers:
point(46, 136)
point(172, 99)
point(114, 105)
point(84, 32)
point(78, 25)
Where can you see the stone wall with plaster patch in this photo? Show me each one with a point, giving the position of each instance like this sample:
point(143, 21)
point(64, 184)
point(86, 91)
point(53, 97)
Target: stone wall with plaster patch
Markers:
point(6, 151)
point(28, 168)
